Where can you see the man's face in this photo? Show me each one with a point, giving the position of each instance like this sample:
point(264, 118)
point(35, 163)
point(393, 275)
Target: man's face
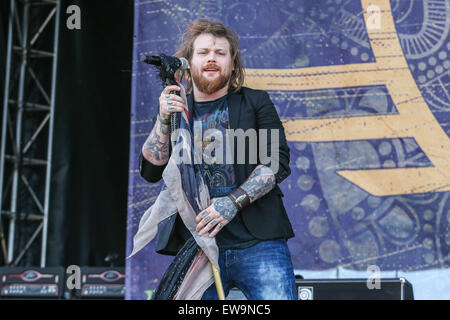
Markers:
point(211, 64)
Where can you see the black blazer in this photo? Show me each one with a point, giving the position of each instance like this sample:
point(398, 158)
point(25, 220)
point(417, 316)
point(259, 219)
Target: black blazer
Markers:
point(266, 218)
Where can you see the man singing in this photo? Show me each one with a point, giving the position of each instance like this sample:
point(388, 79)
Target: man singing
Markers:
point(247, 216)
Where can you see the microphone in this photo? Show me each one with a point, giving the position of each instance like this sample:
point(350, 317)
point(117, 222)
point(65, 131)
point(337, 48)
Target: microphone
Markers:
point(167, 66)
point(157, 61)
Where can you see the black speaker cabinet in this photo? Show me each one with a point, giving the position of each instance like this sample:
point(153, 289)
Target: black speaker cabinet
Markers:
point(354, 289)
point(31, 283)
point(102, 283)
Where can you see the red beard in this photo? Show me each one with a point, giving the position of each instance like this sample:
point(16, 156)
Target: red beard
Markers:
point(207, 86)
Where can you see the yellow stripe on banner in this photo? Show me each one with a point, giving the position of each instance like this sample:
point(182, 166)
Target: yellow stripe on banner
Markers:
point(414, 118)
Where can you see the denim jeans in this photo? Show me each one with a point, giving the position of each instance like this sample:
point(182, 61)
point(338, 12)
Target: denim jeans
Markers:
point(262, 272)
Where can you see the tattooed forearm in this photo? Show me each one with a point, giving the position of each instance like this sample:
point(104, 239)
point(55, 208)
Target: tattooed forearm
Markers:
point(226, 208)
point(156, 147)
point(260, 182)
point(164, 128)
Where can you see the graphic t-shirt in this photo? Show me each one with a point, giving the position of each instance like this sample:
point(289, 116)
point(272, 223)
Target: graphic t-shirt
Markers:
point(210, 124)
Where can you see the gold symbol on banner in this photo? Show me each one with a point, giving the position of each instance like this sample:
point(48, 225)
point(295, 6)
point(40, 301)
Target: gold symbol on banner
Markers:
point(414, 118)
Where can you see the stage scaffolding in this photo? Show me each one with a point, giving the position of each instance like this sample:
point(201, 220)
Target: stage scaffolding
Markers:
point(27, 127)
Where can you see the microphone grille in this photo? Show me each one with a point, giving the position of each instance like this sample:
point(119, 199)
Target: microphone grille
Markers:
point(184, 64)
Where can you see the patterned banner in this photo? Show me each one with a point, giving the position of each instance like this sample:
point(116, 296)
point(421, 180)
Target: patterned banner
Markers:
point(363, 90)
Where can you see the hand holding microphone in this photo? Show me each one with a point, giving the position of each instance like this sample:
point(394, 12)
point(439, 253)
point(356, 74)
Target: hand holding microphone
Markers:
point(167, 67)
point(170, 102)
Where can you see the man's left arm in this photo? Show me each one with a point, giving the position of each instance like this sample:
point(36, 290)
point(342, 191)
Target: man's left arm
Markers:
point(223, 209)
point(260, 182)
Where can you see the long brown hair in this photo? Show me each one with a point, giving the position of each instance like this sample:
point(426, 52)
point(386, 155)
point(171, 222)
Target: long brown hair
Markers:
point(217, 29)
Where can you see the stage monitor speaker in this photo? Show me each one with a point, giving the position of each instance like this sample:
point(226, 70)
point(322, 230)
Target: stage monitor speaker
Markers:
point(354, 289)
point(102, 283)
point(31, 283)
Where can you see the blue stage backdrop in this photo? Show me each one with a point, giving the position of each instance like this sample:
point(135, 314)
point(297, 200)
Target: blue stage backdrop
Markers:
point(363, 90)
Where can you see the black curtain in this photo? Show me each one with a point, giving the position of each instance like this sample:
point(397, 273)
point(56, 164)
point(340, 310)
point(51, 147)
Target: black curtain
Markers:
point(92, 126)
point(88, 204)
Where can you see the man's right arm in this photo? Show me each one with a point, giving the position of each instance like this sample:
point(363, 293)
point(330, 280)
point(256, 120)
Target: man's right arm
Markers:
point(156, 148)
point(155, 152)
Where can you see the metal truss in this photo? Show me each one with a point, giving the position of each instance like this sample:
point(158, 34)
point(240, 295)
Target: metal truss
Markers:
point(27, 126)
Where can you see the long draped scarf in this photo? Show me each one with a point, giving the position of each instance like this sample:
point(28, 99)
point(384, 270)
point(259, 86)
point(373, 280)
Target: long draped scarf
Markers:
point(184, 191)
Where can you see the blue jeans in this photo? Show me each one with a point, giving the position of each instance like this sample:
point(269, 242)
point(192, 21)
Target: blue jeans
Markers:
point(262, 272)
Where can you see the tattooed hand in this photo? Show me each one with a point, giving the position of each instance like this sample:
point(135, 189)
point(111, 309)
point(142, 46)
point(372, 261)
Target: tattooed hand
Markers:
point(156, 147)
point(216, 216)
point(170, 103)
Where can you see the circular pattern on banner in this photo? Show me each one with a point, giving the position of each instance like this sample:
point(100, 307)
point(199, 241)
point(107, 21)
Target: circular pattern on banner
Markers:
point(318, 226)
point(329, 251)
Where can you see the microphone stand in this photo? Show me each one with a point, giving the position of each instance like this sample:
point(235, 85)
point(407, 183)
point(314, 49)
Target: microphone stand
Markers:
point(174, 116)
point(174, 125)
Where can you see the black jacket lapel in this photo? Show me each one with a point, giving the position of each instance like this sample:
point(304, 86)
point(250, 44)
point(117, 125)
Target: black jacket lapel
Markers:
point(234, 108)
